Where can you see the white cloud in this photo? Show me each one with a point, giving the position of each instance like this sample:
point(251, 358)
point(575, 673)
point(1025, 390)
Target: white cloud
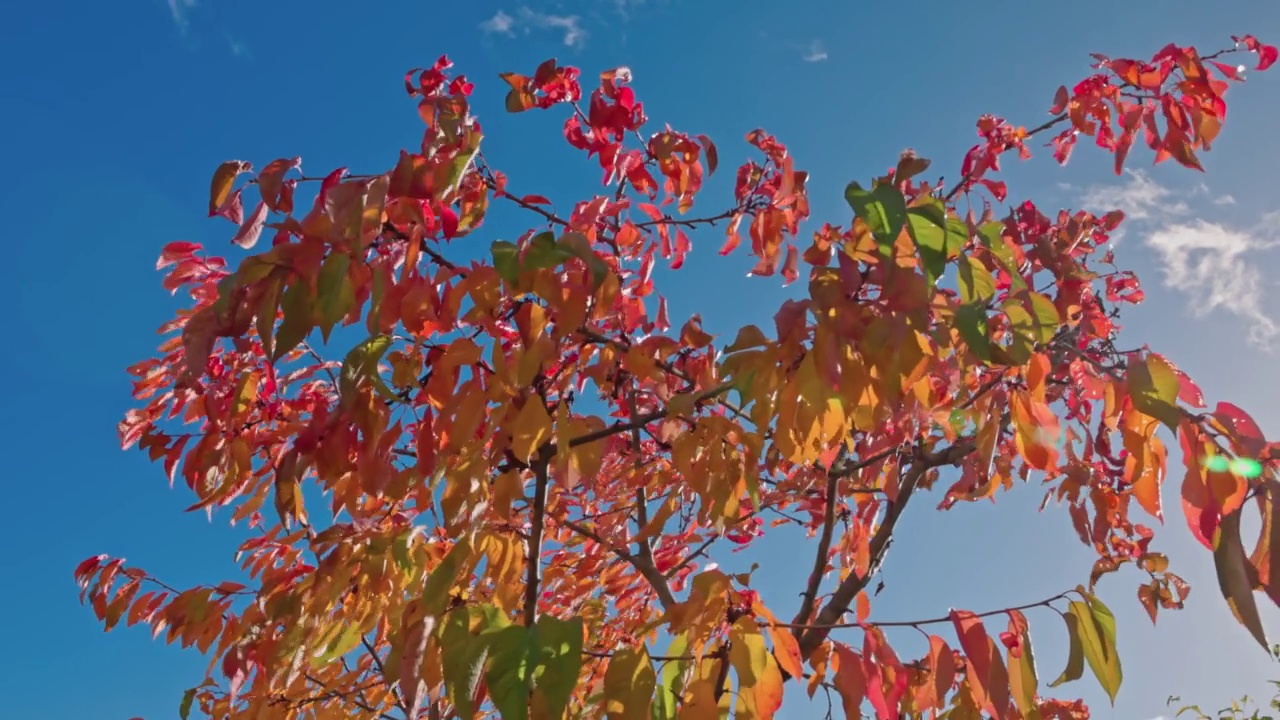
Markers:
point(501, 23)
point(1139, 199)
point(1216, 265)
point(816, 52)
point(179, 9)
point(527, 20)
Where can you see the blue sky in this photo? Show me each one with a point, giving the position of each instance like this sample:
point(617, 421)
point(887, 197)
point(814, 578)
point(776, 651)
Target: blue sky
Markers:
point(118, 112)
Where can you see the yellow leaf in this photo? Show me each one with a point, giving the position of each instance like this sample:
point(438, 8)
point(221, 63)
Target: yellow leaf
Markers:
point(530, 430)
point(223, 178)
point(759, 680)
point(629, 684)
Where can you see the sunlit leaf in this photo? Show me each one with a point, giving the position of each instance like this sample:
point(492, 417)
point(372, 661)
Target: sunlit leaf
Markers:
point(883, 210)
point(1097, 628)
point(1153, 386)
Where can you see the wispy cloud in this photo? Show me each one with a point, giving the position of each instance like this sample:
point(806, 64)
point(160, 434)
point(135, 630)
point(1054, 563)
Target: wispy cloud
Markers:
point(815, 52)
point(180, 9)
point(526, 20)
point(238, 48)
point(1213, 263)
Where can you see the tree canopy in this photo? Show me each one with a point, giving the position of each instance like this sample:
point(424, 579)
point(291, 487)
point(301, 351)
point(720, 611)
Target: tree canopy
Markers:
point(489, 477)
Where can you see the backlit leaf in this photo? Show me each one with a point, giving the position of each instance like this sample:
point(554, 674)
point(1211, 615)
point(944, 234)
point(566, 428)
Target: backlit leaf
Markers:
point(882, 208)
point(928, 226)
point(1153, 388)
point(559, 657)
point(512, 654)
point(976, 284)
point(629, 684)
point(1097, 630)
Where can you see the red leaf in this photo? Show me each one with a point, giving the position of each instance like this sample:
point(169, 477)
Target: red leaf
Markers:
point(175, 252)
point(233, 208)
point(271, 179)
point(987, 674)
point(1248, 437)
point(791, 268)
point(251, 229)
point(1060, 100)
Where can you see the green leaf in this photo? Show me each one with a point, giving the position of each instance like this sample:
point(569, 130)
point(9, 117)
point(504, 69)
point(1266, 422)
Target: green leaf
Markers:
point(435, 595)
point(1233, 567)
point(976, 283)
point(1044, 315)
point(331, 299)
point(1075, 655)
point(1022, 327)
point(543, 252)
point(577, 244)
point(466, 633)
point(1024, 669)
point(400, 550)
point(1098, 640)
point(506, 259)
point(971, 321)
point(511, 657)
point(629, 684)
point(184, 707)
point(296, 325)
point(667, 702)
point(343, 643)
point(883, 209)
point(559, 660)
point(361, 365)
point(1153, 387)
point(266, 312)
point(992, 235)
point(928, 226)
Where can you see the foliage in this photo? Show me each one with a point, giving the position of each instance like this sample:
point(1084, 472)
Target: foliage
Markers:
point(504, 497)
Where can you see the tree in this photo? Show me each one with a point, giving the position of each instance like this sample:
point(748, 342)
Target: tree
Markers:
point(504, 498)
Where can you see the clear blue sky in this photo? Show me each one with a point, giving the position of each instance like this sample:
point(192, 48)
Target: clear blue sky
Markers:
point(118, 112)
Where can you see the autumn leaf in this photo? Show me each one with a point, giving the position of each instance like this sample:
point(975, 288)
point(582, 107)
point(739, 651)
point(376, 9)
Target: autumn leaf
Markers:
point(629, 683)
point(1154, 387)
point(883, 210)
point(538, 405)
point(531, 428)
point(1097, 632)
point(1234, 576)
point(223, 180)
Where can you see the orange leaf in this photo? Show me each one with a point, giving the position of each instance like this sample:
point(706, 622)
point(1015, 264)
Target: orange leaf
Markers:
point(850, 680)
point(988, 679)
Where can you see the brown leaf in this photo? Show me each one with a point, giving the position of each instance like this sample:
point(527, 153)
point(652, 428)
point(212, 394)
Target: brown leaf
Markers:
point(1234, 576)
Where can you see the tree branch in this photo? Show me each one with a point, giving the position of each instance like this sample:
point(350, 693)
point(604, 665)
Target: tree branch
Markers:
point(645, 566)
point(820, 557)
point(382, 670)
point(533, 573)
point(638, 422)
point(853, 584)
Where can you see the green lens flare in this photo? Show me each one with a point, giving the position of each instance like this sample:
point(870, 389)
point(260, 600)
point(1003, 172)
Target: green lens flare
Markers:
point(1217, 463)
point(1246, 467)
